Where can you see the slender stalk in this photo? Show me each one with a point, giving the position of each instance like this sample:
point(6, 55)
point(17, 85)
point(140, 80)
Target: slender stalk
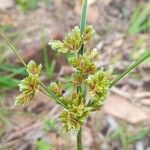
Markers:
point(79, 140)
point(83, 21)
point(42, 85)
point(84, 15)
point(82, 28)
point(13, 48)
point(130, 68)
point(52, 95)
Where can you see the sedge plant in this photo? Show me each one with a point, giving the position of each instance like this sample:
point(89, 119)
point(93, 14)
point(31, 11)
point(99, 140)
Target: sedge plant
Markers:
point(91, 86)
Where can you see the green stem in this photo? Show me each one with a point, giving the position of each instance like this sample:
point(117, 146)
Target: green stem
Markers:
point(83, 21)
point(13, 49)
point(42, 85)
point(79, 140)
point(52, 95)
point(84, 15)
point(82, 28)
point(130, 68)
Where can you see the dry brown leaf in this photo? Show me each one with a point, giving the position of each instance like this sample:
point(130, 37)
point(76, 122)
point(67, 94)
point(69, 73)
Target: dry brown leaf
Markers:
point(65, 70)
point(142, 94)
point(119, 107)
point(22, 132)
point(7, 19)
point(58, 3)
point(92, 14)
point(120, 92)
point(87, 134)
point(145, 101)
point(90, 2)
point(118, 43)
point(57, 141)
point(5, 4)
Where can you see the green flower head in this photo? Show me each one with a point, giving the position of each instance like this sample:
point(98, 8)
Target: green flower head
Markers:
point(83, 64)
point(74, 117)
point(88, 34)
point(56, 88)
point(71, 43)
point(94, 55)
point(58, 46)
point(78, 79)
point(98, 85)
point(73, 40)
point(24, 98)
point(29, 85)
point(33, 69)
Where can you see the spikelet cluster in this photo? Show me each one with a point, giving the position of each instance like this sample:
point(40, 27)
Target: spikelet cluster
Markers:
point(57, 88)
point(77, 106)
point(73, 40)
point(29, 85)
point(98, 85)
point(75, 113)
point(74, 117)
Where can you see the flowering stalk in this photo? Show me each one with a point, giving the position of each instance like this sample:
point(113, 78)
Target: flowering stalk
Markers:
point(13, 49)
point(42, 87)
point(82, 28)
